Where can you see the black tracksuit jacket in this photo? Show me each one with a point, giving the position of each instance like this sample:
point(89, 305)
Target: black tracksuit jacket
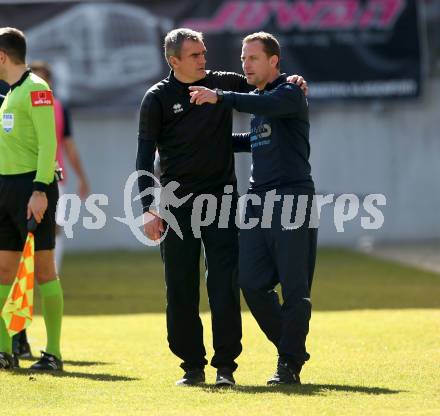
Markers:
point(194, 142)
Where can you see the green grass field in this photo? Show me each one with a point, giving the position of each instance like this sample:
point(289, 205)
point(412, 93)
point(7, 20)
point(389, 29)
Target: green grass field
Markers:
point(374, 342)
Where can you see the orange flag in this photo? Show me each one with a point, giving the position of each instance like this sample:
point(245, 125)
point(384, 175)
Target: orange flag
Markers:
point(18, 310)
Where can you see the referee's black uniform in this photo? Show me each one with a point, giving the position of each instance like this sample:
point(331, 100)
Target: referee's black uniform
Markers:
point(195, 149)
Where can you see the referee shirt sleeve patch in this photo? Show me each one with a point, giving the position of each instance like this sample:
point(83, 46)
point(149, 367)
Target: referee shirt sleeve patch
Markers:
point(41, 98)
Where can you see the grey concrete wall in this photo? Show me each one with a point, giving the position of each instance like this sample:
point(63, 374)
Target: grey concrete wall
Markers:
point(384, 147)
point(107, 145)
point(381, 147)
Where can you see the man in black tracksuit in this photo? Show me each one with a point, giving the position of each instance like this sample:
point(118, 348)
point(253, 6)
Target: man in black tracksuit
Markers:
point(276, 250)
point(196, 150)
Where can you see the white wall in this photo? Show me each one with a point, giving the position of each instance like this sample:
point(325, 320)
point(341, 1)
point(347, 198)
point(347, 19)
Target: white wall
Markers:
point(382, 147)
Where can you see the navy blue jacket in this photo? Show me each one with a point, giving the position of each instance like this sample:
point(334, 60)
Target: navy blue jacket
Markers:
point(279, 137)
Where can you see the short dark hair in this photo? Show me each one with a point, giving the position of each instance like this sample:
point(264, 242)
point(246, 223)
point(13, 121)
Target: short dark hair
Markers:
point(174, 41)
point(42, 66)
point(13, 43)
point(271, 45)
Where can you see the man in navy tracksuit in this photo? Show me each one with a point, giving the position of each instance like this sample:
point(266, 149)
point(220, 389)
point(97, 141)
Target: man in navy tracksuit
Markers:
point(282, 247)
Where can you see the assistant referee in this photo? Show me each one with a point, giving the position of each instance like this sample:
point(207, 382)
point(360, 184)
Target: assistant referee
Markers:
point(28, 188)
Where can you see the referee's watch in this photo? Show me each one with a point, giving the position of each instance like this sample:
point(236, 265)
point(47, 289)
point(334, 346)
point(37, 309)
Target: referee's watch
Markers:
point(220, 95)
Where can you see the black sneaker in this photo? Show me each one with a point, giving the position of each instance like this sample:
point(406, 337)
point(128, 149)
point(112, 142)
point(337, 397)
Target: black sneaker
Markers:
point(285, 374)
point(8, 361)
point(20, 345)
point(224, 378)
point(192, 377)
point(22, 350)
point(47, 362)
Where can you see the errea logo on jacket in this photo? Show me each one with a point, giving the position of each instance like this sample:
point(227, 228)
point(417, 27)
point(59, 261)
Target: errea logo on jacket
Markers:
point(177, 108)
point(41, 98)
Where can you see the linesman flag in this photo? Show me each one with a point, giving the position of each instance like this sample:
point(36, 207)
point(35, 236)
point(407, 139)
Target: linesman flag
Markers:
point(18, 310)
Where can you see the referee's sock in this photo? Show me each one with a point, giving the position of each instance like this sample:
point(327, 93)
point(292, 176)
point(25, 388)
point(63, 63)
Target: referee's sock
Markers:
point(5, 339)
point(52, 305)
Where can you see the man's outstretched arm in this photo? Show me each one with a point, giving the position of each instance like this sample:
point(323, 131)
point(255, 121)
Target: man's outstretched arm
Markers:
point(286, 100)
point(238, 83)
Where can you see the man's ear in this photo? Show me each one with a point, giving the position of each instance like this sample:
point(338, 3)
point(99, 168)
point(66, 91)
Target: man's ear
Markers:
point(2, 57)
point(173, 61)
point(273, 60)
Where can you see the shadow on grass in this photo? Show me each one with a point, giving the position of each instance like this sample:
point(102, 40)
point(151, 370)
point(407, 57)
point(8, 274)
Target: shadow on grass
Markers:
point(71, 362)
point(33, 375)
point(303, 389)
point(84, 363)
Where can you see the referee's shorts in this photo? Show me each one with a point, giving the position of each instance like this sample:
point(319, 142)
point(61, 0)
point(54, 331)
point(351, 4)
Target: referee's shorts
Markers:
point(15, 192)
